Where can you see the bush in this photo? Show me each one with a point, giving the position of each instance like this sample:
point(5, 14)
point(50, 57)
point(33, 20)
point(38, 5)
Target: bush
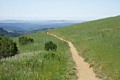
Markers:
point(7, 47)
point(50, 46)
point(25, 40)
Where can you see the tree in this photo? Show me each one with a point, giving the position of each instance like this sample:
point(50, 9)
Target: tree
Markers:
point(25, 40)
point(7, 47)
point(50, 46)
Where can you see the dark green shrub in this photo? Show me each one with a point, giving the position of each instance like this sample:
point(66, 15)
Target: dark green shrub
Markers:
point(7, 47)
point(25, 40)
point(50, 46)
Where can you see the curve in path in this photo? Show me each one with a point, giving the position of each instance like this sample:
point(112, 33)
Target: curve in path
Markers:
point(83, 70)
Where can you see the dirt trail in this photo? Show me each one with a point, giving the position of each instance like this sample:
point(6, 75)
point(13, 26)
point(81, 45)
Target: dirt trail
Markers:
point(83, 70)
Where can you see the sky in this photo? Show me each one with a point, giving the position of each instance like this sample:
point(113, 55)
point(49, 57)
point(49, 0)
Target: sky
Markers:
point(58, 9)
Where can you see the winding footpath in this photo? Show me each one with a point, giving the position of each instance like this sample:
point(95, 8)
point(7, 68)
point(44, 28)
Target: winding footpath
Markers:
point(83, 70)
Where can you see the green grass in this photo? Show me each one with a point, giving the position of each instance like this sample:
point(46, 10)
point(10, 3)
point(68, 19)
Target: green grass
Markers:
point(98, 42)
point(34, 63)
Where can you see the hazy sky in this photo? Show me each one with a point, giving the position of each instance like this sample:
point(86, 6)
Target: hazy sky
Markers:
point(58, 9)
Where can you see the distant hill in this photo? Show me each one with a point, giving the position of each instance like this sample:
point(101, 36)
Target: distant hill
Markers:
point(23, 27)
point(6, 33)
point(3, 32)
point(41, 21)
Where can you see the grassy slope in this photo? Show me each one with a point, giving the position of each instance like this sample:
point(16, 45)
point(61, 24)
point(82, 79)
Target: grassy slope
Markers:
point(99, 43)
point(34, 63)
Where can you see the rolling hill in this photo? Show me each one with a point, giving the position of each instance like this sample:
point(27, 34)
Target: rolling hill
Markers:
point(6, 33)
point(98, 42)
point(35, 63)
point(23, 27)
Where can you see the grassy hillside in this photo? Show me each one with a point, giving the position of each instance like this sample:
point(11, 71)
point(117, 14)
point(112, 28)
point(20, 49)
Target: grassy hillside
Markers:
point(34, 63)
point(98, 42)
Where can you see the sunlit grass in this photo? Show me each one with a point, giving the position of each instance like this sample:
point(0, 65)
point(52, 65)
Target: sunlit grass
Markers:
point(34, 63)
point(99, 43)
